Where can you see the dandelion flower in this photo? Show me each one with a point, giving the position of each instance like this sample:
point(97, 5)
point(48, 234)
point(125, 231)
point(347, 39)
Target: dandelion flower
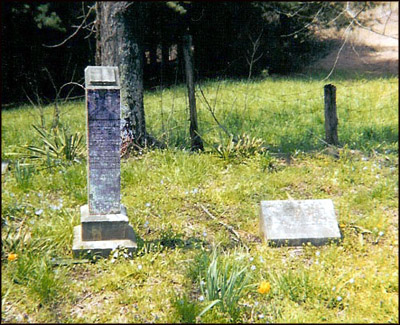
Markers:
point(12, 257)
point(264, 287)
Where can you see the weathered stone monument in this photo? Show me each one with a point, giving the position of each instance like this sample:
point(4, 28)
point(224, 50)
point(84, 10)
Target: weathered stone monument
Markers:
point(297, 222)
point(104, 222)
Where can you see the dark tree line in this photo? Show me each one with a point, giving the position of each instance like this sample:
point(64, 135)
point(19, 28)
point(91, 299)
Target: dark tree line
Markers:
point(230, 39)
point(224, 36)
point(25, 29)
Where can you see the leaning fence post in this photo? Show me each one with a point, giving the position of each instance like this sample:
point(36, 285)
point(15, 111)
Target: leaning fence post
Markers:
point(331, 120)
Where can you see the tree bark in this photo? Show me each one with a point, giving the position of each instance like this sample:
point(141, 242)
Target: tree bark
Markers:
point(121, 44)
point(196, 141)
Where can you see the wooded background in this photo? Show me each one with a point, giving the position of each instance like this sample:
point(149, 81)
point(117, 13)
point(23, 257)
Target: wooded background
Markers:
point(230, 39)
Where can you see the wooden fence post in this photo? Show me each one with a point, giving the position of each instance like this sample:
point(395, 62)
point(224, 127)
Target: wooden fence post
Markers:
point(331, 120)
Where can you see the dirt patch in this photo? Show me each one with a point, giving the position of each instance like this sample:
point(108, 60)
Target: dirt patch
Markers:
point(374, 49)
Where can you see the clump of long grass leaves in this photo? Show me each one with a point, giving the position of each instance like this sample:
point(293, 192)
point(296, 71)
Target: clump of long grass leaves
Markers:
point(224, 285)
point(56, 145)
point(239, 147)
point(23, 174)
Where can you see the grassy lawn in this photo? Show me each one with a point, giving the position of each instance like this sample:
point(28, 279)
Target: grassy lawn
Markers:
point(183, 253)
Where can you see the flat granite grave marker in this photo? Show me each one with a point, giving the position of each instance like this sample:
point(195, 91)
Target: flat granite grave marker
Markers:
point(104, 222)
point(296, 222)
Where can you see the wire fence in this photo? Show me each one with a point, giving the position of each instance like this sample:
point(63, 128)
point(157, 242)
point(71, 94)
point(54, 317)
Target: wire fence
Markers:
point(288, 114)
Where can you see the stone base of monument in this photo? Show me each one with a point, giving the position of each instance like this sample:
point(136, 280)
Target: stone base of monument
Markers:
point(100, 234)
point(298, 222)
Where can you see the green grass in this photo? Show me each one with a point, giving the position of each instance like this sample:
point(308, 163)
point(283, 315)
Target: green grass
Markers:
point(355, 280)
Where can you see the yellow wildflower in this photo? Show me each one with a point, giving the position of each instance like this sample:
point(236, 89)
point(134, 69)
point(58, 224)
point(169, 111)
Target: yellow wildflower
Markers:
point(264, 287)
point(12, 257)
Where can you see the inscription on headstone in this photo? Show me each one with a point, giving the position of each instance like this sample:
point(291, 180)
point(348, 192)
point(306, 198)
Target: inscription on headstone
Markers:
point(104, 142)
point(294, 222)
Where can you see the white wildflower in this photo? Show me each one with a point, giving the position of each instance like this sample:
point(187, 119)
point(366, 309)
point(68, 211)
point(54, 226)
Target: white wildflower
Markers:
point(201, 298)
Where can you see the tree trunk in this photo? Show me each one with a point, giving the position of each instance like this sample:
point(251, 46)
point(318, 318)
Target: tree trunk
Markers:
point(121, 45)
point(98, 38)
point(196, 142)
point(164, 61)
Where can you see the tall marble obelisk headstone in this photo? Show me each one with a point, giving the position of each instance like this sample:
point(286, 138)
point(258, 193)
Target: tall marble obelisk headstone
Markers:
point(104, 223)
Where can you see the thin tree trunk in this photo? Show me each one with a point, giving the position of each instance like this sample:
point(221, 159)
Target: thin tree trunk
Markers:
point(196, 141)
point(164, 60)
point(98, 37)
